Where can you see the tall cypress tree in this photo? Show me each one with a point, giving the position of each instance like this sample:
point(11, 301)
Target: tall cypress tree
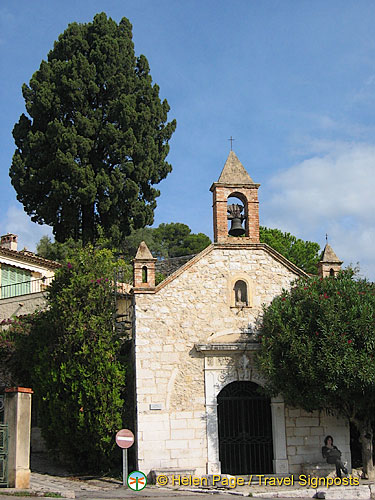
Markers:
point(96, 136)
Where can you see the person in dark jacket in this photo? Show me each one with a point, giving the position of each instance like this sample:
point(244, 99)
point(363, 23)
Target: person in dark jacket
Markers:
point(333, 456)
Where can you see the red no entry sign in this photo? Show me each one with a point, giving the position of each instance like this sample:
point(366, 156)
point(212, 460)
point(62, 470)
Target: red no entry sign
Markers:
point(125, 438)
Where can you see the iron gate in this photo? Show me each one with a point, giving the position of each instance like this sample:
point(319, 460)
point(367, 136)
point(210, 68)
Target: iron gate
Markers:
point(3, 446)
point(245, 430)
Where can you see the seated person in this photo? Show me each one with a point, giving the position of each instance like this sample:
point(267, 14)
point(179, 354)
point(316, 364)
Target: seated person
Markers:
point(333, 456)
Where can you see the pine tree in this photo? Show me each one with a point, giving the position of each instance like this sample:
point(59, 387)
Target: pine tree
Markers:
point(96, 138)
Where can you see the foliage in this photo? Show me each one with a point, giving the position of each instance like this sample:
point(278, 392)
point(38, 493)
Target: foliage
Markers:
point(176, 240)
point(130, 244)
point(55, 250)
point(71, 358)
point(12, 332)
point(167, 240)
point(304, 254)
point(318, 347)
point(96, 138)
point(159, 277)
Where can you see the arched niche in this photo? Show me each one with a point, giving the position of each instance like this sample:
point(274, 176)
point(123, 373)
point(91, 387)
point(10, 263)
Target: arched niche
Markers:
point(240, 291)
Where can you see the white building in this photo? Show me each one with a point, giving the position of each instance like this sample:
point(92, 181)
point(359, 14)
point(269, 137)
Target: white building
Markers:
point(23, 278)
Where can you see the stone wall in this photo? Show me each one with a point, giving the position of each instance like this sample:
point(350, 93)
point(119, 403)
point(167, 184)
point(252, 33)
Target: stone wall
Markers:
point(194, 307)
point(305, 433)
point(22, 304)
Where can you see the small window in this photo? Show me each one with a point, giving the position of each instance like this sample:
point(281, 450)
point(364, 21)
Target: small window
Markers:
point(144, 274)
point(331, 272)
point(240, 294)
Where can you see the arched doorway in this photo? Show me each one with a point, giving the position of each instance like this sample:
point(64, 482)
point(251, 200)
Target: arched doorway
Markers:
point(245, 429)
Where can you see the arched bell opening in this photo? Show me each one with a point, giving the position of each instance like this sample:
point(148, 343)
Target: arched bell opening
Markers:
point(245, 429)
point(144, 274)
point(237, 214)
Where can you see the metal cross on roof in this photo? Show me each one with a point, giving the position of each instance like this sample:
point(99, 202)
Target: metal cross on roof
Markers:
point(231, 142)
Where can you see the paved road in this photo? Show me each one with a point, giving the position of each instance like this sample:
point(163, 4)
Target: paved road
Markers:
point(148, 495)
point(153, 494)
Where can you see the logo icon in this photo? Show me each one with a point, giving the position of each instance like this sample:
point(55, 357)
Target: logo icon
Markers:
point(137, 481)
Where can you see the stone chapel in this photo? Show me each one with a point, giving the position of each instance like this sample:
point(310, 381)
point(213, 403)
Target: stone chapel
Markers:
point(198, 407)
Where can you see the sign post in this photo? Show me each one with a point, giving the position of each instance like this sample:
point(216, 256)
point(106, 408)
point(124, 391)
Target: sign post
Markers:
point(124, 439)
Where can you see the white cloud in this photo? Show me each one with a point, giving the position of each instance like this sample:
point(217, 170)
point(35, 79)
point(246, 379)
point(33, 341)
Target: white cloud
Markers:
point(332, 192)
point(29, 233)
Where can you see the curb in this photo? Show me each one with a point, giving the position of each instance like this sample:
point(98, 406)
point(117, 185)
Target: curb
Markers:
point(214, 492)
point(36, 493)
point(362, 492)
point(332, 493)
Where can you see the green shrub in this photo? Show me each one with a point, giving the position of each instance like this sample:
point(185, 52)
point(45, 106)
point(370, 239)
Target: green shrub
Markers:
point(71, 359)
point(317, 350)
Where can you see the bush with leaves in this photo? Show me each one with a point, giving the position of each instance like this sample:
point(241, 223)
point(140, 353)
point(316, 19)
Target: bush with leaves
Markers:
point(318, 347)
point(13, 331)
point(72, 360)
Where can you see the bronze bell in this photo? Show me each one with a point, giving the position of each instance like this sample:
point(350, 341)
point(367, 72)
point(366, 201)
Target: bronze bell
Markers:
point(236, 228)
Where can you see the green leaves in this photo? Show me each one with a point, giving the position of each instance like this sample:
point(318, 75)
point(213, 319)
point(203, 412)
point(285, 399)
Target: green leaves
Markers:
point(166, 240)
point(318, 345)
point(97, 136)
point(71, 356)
point(304, 254)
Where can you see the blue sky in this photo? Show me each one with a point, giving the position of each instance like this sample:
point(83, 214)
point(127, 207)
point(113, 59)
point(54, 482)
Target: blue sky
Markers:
point(293, 81)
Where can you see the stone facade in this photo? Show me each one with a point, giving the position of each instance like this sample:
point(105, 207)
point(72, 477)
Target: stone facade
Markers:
point(194, 306)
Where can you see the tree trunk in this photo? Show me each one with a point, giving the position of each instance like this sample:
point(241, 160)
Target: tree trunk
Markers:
point(366, 436)
point(88, 229)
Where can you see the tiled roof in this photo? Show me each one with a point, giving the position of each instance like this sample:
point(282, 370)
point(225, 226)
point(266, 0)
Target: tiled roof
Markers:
point(30, 257)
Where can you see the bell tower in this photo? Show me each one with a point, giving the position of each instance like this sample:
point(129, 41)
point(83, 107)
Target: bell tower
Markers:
point(235, 182)
point(144, 268)
point(329, 264)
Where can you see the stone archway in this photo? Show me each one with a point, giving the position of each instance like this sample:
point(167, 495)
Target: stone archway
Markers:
point(228, 363)
point(245, 429)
